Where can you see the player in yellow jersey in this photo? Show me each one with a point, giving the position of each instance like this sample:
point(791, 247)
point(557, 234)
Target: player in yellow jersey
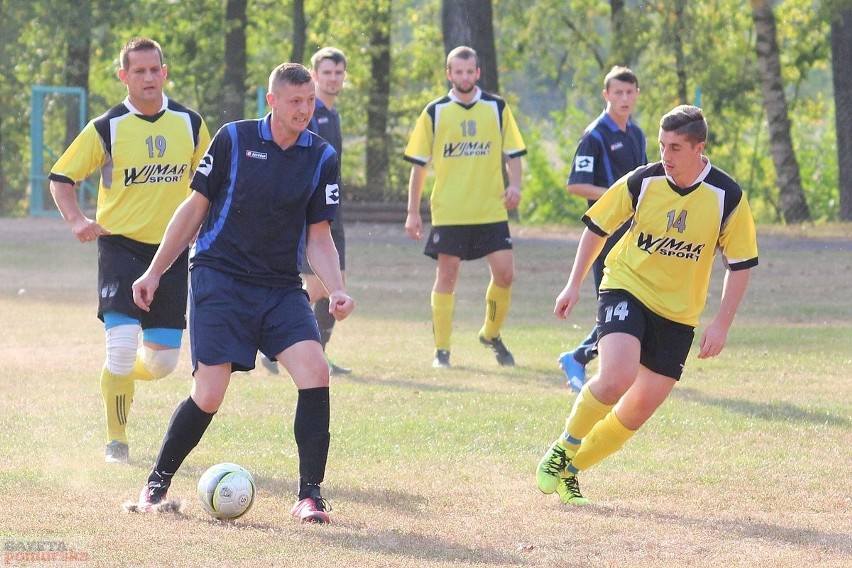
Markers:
point(654, 289)
point(146, 149)
point(471, 139)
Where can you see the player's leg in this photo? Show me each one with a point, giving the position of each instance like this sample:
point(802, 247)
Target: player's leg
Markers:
point(306, 364)
point(188, 423)
point(116, 381)
point(293, 329)
point(498, 298)
point(443, 302)
point(619, 367)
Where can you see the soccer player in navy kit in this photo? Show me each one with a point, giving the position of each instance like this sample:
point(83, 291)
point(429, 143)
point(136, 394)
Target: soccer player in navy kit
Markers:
point(654, 289)
point(147, 148)
point(263, 196)
point(611, 146)
point(329, 72)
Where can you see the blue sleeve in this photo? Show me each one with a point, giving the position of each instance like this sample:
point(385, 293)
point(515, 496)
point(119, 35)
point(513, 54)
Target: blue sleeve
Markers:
point(214, 170)
point(587, 159)
point(326, 196)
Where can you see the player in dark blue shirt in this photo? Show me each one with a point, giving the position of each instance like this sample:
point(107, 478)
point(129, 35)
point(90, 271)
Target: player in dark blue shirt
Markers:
point(611, 146)
point(263, 198)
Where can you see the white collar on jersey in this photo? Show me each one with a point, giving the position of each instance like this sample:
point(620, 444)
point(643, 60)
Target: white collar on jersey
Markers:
point(475, 98)
point(135, 110)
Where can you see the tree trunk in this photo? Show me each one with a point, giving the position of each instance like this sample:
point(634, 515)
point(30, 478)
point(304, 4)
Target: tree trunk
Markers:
point(794, 208)
point(378, 139)
point(621, 42)
point(300, 30)
point(470, 23)
point(234, 80)
point(841, 67)
point(77, 65)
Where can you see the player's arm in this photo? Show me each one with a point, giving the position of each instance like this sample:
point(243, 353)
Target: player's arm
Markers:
point(586, 190)
point(512, 195)
point(325, 262)
point(588, 250)
point(413, 222)
point(180, 231)
point(716, 335)
point(65, 196)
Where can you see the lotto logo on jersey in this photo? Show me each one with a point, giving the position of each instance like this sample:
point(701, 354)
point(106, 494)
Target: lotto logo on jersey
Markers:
point(584, 164)
point(332, 194)
point(256, 155)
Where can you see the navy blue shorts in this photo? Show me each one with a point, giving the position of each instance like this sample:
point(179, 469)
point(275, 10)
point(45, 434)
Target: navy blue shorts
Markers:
point(665, 343)
point(468, 242)
point(120, 262)
point(231, 320)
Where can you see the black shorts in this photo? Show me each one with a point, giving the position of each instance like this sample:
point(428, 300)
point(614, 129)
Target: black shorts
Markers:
point(120, 262)
point(468, 242)
point(339, 237)
point(665, 343)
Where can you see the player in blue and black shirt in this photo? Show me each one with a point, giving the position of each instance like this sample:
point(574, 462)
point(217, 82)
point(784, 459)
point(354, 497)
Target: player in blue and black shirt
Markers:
point(612, 146)
point(263, 198)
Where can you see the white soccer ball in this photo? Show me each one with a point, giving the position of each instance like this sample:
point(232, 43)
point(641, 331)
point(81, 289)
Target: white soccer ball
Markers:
point(226, 491)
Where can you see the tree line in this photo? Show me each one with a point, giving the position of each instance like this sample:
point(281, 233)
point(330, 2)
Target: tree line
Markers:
point(773, 77)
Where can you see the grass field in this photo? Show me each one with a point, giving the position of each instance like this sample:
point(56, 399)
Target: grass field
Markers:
point(748, 463)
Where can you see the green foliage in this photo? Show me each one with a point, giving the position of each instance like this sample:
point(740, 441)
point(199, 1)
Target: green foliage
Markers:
point(551, 64)
point(550, 151)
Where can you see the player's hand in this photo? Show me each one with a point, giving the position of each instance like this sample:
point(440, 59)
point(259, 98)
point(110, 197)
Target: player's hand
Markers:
point(713, 340)
point(87, 230)
point(414, 226)
point(340, 305)
point(565, 302)
point(512, 197)
point(143, 290)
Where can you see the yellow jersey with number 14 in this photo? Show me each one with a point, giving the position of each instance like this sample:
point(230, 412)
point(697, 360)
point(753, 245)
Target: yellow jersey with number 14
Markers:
point(467, 145)
point(666, 257)
point(146, 163)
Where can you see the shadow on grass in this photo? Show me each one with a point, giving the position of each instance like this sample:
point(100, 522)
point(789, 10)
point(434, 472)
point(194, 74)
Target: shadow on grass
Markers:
point(773, 411)
point(740, 528)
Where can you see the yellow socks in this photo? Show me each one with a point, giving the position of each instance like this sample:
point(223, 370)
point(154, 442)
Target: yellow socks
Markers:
point(604, 439)
point(587, 412)
point(443, 306)
point(118, 395)
point(497, 301)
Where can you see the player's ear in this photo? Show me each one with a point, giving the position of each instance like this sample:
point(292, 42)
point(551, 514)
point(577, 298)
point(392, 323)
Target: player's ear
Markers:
point(122, 75)
point(165, 70)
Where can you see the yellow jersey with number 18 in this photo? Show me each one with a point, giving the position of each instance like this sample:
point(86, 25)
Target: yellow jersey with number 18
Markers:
point(467, 144)
point(146, 163)
point(666, 257)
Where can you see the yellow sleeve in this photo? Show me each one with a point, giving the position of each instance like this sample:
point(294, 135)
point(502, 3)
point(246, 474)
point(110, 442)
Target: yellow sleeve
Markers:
point(419, 148)
point(84, 156)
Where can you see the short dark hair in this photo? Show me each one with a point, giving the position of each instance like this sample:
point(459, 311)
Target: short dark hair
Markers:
point(289, 73)
point(623, 74)
point(462, 52)
point(331, 53)
point(138, 44)
point(686, 120)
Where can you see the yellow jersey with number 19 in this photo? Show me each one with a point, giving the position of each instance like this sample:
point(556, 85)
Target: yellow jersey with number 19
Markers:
point(666, 257)
point(146, 163)
point(467, 144)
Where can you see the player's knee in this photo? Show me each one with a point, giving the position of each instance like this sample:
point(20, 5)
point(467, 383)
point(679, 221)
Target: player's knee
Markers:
point(152, 365)
point(121, 342)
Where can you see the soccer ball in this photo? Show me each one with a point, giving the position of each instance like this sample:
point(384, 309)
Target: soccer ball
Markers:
point(226, 491)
